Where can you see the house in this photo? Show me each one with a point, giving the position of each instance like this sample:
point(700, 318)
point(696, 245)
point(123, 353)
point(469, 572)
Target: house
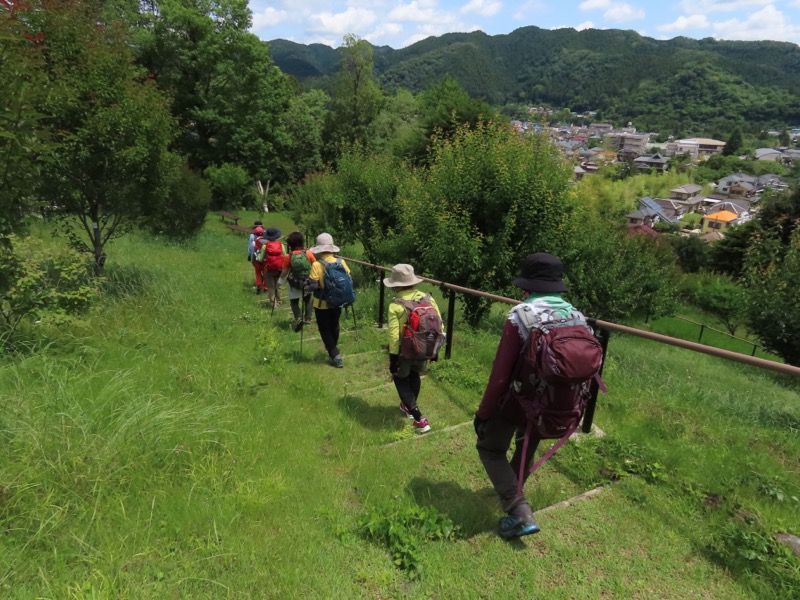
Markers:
point(738, 184)
point(628, 145)
point(652, 161)
point(674, 209)
point(685, 192)
point(649, 213)
point(695, 147)
point(767, 154)
point(718, 221)
point(740, 207)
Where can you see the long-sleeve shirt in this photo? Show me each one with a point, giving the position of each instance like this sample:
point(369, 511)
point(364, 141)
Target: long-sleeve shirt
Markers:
point(397, 316)
point(538, 309)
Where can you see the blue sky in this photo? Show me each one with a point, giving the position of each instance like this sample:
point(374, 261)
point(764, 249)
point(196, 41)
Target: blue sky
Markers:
point(399, 23)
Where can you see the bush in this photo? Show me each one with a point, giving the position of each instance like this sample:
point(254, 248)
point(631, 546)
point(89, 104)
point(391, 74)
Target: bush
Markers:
point(183, 212)
point(231, 187)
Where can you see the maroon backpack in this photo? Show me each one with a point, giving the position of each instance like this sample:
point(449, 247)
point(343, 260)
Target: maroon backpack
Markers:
point(551, 380)
point(422, 335)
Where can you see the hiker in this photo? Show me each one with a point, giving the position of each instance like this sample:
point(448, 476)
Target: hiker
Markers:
point(326, 311)
point(252, 240)
point(500, 416)
point(407, 363)
point(273, 263)
point(296, 270)
point(258, 266)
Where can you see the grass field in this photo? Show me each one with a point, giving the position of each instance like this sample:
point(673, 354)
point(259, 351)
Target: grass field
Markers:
point(177, 443)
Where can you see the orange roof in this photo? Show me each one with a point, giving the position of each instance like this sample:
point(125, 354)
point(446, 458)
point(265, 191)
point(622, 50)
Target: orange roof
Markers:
point(723, 215)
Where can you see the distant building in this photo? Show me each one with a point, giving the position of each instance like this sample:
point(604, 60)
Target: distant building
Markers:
point(695, 147)
point(718, 221)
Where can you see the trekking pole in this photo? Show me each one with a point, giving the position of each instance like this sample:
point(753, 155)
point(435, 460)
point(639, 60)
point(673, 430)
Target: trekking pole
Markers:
point(358, 339)
point(303, 324)
point(272, 312)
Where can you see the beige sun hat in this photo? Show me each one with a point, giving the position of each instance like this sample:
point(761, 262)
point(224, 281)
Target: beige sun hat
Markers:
point(402, 276)
point(324, 243)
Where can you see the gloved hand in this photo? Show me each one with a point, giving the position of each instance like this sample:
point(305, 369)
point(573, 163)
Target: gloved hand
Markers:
point(394, 363)
point(480, 427)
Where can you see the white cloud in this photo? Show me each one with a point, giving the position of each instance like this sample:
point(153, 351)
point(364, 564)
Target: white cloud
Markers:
point(767, 24)
point(436, 29)
point(712, 6)
point(684, 23)
point(351, 20)
point(526, 10)
point(614, 12)
point(423, 12)
point(268, 18)
point(619, 13)
point(584, 25)
point(484, 8)
point(594, 4)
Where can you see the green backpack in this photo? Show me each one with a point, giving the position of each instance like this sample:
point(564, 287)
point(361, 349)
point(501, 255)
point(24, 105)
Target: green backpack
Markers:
point(299, 270)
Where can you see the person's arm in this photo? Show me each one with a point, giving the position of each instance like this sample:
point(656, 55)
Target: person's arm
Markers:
point(396, 312)
point(287, 264)
point(502, 371)
point(314, 278)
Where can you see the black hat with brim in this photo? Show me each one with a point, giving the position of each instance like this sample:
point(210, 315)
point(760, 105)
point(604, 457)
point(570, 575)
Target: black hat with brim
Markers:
point(541, 273)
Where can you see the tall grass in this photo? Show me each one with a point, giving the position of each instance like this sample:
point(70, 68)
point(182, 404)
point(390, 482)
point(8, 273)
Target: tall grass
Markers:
point(178, 443)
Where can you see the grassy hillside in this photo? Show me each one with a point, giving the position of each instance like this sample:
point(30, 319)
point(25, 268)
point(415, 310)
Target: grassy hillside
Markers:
point(177, 443)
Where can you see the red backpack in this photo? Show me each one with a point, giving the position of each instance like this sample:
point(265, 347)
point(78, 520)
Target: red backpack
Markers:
point(422, 334)
point(551, 380)
point(273, 257)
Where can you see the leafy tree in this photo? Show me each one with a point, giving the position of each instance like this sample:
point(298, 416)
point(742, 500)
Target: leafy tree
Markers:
point(691, 252)
point(24, 136)
point(780, 213)
point(304, 121)
point(722, 297)
point(734, 143)
point(398, 129)
point(784, 139)
point(112, 125)
point(230, 186)
point(356, 99)
point(185, 205)
point(616, 276)
point(227, 95)
point(773, 308)
point(489, 197)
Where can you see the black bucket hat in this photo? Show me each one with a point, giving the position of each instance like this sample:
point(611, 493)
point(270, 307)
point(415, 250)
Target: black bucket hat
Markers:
point(541, 273)
point(272, 234)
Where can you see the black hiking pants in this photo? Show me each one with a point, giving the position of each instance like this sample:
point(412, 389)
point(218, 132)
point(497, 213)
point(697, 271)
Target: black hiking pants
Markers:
point(493, 452)
point(328, 324)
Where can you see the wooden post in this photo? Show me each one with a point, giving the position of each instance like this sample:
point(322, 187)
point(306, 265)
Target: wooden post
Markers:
point(381, 304)
point(451, 317)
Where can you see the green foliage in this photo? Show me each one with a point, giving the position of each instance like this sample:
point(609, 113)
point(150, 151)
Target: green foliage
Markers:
point(691, 252)
point(450, 212)
point(615, 276)
point(227, 96)
point(230, 185)
point(403, 529)
point(183, 211)
point(24, 136)
point(43, 283)
point(113, 128)
point(773, 308)
point(728, 254)
point(304, 121)
point(734, 143)
point(722, 297)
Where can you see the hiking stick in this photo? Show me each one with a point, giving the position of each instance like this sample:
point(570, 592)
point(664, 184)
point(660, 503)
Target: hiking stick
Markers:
point(304, 314)
point(272, 312)
point(358, 339)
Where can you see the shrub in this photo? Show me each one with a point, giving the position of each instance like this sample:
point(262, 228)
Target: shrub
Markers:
point(230, 186)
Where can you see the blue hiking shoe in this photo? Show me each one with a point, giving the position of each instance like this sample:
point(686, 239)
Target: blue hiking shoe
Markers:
point(520, 521)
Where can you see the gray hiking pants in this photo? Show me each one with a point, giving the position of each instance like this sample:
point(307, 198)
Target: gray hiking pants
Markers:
point(493, 452)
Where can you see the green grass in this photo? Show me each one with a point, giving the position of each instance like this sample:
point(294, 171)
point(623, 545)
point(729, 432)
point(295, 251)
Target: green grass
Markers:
point(150, 450)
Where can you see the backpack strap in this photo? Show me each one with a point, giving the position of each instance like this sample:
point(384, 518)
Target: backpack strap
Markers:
point(543, 459)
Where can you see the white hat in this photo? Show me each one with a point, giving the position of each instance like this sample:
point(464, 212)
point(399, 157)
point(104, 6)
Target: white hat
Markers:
point(324, 244)
point(402, 276)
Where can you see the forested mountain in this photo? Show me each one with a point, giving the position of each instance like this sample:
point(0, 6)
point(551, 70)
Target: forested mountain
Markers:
point(672, 86)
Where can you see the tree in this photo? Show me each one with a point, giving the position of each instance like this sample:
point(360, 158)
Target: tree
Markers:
point(356, 99)
point(773, 308)
point(113, 128)
point(734, 143)
point(304, 121)
point(228, 96)
point(722, 297)
point(691, 252)
point(24, 135)
point(489, 197)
